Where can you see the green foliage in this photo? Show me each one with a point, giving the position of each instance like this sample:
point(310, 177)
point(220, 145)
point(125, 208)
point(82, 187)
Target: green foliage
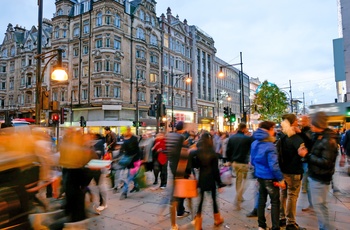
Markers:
point(270, 102)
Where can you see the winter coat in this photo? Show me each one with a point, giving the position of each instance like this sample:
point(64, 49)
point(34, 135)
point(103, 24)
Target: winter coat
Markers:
point(263, 155)
point(322, 157)
point(207, 162)
point(289, 160)
point(130, 147)
point(238, 148)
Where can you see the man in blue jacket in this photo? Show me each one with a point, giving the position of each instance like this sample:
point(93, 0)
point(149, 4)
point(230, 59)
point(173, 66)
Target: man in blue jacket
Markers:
point(264, 158)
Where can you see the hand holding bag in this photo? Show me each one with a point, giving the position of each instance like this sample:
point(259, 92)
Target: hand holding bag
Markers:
point(184, 188)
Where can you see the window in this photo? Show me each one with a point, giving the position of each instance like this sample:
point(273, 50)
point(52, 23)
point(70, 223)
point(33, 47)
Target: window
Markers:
point(142, 15)
point(140, 54)
point(117, 43)
point(99, 19)
point(13, 51)
point(117, 20)
point(57, 32)
point(153, 77)
point(3, 68)
point(116, 67)
point(59, 12)
point(62, 95)
point(107, 65)
point(97, 91)
point(29, 80)
point(75, 72)
point(98, 41)
point(75, 52)
point(153, 21)
point(108, 42)
point(154, 58)
point(64, 34)
point(153, 40)
point(107, 90)
point(98, 66)
point(86, 28)
point(12, 66)
point(54, 96)
point(12, 83)
point(108, 19)
point(148, 19)
point(140, 74)
point(3, 85)
point(116, 91)
point(85, 49)
point(76, 30)
point(84, 94)
point(140, 33)
point(4, 53)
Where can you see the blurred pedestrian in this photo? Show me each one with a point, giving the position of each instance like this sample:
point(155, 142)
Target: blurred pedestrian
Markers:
point(206, 160)
point(264, 158)
point(160, 161)
point(238, 153)
point(111, 142)
point(321, 160)
point(175, 141)
point(130, 149)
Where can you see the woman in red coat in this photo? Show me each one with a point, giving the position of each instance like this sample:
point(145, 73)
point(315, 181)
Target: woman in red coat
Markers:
point(160, 161)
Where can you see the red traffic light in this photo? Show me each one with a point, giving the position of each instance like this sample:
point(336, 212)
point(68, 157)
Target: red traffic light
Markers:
point(55, 117)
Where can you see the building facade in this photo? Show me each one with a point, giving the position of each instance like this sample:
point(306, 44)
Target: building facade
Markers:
point(119, 56)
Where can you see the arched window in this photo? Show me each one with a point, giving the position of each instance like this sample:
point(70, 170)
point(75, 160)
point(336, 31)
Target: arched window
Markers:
point(117, 20)
point(59, 12)
point(57, 32)
point(140, 33)
point(13, 51)
point(99, 19)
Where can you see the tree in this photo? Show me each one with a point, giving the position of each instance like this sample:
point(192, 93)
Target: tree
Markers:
point(270, 102)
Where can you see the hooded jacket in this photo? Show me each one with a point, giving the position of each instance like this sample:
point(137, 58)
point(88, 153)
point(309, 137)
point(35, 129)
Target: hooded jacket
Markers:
point(322, 157)
point(264, 158)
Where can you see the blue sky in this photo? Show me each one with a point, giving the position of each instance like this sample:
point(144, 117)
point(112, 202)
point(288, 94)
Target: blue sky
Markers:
point(281, 40)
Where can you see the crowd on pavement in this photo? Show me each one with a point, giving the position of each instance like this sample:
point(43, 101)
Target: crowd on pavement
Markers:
point(300, 157)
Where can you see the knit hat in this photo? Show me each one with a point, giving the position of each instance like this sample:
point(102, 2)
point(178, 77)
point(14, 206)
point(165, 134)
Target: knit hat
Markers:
point(319, 120)
point(179, 125)
point(291, 117)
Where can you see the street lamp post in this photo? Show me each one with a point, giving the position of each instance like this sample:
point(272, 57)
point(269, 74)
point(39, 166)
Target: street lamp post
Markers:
point(241, 86)
point(188, 80)
point(58, 74)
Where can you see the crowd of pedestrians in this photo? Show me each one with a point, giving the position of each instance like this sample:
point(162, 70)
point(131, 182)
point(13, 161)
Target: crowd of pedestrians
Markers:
point(300, 158)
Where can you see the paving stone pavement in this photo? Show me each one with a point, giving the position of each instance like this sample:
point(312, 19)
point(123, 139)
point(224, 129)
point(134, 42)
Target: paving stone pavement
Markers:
point(142, 210)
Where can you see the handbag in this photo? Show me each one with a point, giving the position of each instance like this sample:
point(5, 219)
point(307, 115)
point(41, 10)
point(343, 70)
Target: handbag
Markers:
point(184, 188)
point(126, 160)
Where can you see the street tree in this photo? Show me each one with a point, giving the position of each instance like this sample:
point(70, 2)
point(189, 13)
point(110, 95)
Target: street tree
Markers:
point(270, 102)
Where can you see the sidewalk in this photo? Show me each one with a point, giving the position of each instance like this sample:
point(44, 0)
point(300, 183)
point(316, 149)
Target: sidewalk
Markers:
point(140, 210)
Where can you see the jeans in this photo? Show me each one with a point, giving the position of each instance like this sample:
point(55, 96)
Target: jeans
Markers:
point(319, 193)
point(289, 197)
point(241, 179)
point(266, 187)
point(213, 197)
point(130, 178)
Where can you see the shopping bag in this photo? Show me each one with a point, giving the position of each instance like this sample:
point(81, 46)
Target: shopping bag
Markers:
point(140, 177)
point(185, 188)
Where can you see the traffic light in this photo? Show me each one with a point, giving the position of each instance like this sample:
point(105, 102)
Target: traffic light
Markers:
point(347, 112)
point(64, 114)
point(82, 121)
point(226, 113)
point(134, 123)
point(55, 118)
point(232, 117)
point(152, 111)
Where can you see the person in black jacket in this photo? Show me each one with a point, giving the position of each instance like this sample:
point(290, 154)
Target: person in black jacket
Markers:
point(206, 160)
point(321, 160)
point(291, 166)
point(238, 153)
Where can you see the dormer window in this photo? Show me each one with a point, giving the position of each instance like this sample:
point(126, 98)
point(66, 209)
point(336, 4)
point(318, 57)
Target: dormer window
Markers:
point(59, 12)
